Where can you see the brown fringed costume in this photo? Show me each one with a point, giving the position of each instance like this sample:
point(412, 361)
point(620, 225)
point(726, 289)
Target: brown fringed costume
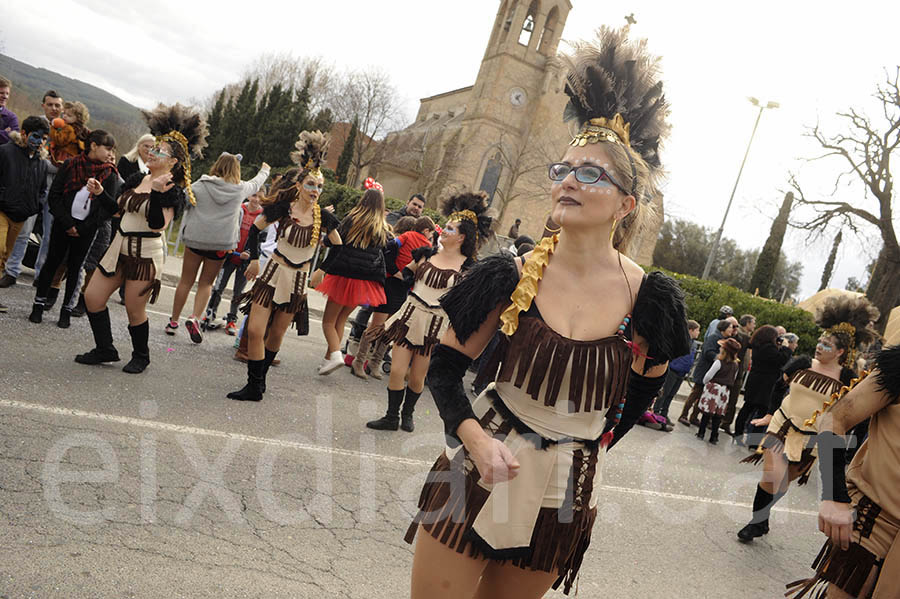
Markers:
point(421, 322)
point(551, 403)
point(282, 283)
point(136, 252)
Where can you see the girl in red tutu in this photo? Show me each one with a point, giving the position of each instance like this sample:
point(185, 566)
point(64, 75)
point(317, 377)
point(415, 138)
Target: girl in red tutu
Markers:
point(355, 271)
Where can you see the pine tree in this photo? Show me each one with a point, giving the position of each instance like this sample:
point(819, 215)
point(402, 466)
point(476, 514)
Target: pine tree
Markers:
point(764, 272)
point(343, 165)
point(829, 266)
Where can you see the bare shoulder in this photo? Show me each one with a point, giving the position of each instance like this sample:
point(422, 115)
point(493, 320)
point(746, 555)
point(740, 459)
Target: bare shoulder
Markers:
point(633, 271)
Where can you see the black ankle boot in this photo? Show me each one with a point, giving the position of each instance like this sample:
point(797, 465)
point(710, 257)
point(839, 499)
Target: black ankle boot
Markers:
point(252, 391)
point(409, 406)
point(37, 313)
point(762, 506)
point(391, 420)
point(140, 352)
point(64, 318)
point(267, 363)
point(104, 350)
point(52, 294)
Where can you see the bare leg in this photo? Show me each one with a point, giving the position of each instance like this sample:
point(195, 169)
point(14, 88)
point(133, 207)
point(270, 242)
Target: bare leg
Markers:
point(417, 371)
point(190, 265)
point(505, 581)
point(402, 358)
point(136, 304)
point(256, 331)
point(439, 572)
point(279, 327)
point(99, 290)
point(330, 319)
point(775, 473)
point(208, 276)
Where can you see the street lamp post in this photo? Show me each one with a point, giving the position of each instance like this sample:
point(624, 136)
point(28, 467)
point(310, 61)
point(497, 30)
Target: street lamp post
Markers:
point(715, 247)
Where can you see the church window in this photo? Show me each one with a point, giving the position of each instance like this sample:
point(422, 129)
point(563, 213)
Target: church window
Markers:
point(491, 177)
point(528, 25)
point(545, 45)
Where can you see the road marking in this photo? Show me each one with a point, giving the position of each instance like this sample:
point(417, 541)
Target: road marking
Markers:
point(191, 430)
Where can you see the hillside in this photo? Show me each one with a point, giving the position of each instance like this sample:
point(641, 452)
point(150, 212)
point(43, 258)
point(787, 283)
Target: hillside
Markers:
point(107, 111)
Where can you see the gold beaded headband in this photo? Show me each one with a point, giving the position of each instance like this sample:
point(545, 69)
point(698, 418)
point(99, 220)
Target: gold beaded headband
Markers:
point(614, 130)
point(181, 140)
point(847, 329)
point(312, 169)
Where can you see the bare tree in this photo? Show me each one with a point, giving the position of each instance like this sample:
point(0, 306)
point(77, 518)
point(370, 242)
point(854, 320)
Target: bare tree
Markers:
point(866, 150)
point(523, 163)
point(287, 70)
point(369, 96)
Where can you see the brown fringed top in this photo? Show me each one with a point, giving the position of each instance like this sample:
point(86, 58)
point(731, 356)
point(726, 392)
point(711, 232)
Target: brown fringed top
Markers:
point(817, 382)
point(431, 282)
point(808, 389)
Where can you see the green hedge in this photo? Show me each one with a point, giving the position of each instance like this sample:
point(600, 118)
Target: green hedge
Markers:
point(704, 298)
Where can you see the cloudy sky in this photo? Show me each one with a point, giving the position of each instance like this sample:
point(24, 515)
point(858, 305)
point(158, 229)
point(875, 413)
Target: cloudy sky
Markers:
point(814, 58)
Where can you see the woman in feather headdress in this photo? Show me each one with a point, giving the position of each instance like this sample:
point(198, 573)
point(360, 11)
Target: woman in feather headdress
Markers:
point(278, 297)
point(583, 327)
point(134, 259)
point(418, 325)
point(788, 450)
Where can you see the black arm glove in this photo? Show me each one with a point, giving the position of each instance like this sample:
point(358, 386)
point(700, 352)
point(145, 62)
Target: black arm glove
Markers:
point(409, 277)
point(832, 457)
point(638, 396)
point(155, 217)
point(254, 240)
point(445, 380)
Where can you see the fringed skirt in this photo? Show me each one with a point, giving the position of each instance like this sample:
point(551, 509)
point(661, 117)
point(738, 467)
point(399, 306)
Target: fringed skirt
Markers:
point(416, 326)
point(541, 520)
point(135, 259)
point(873, 542)
point(797, 445)
point(281, 287)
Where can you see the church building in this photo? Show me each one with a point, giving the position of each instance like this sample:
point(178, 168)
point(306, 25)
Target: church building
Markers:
point(500, 134)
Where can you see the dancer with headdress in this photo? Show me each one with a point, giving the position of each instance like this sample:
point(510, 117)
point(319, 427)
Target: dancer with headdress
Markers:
point(148, 203)
point(420, 323)
point(278, 297)
point(788, 450)
point(860, 508)
point(509, 505)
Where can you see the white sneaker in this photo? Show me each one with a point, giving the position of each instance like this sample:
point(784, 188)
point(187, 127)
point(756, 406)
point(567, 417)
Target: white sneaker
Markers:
point(334, 361)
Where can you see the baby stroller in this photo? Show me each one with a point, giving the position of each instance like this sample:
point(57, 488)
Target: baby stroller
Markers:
point(358, 325)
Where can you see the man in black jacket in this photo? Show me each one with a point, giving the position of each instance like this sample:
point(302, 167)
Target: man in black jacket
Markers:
point(414, 207)
point(23, 180)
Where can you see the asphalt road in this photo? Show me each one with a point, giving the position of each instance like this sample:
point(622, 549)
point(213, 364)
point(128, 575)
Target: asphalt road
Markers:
point(155, 485)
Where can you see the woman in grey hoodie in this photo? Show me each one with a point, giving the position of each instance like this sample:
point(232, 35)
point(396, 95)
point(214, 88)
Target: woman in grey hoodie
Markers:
point(210, 230)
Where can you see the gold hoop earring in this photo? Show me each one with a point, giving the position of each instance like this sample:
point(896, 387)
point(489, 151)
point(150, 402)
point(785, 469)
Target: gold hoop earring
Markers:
point(613, 230)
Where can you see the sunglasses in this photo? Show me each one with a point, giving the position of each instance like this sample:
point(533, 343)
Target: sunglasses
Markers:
point(156, 151)
point(824, 347)
point(585, 173)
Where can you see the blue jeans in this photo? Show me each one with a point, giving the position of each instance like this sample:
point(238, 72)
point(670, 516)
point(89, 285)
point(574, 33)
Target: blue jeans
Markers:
point(14, 263)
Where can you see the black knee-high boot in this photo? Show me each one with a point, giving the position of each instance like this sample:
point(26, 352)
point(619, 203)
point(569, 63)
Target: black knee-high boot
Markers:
point(391, 420)
point(762, 506)
point(140, 352)
point(267, 363)
point(252, 391)
point(104, 350)
point(409, 406)
point(715, 421)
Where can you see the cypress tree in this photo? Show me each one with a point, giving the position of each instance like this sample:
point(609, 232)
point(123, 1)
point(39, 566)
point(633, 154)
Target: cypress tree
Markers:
point(829, 266)
point(343, 165)
point(764, 272)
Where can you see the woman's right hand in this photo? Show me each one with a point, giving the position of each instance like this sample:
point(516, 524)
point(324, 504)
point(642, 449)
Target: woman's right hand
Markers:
point(316, 279)
point(494, 460)
point(252, 270)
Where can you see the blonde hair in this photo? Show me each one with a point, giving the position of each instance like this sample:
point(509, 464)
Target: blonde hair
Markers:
point(132, 154)
point(367, 224)
point(82, 116)
point(645, 191)
point(227, 167)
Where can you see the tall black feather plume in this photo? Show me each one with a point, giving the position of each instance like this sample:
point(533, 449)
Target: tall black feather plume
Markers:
point(476, 201)
point(614, 75)
point(312, 147)
point(184, 119)
point(857, 311)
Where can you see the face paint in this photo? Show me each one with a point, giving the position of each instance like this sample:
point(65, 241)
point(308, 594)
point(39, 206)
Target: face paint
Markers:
point(35, 141)
point(313, 187)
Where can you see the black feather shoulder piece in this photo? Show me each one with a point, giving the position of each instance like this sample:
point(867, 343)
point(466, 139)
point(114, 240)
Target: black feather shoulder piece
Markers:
point(659, 317)
point(275, 211)
point(796, 364)
point(888, 376)
point(426, 251)
point(488, 284)
point(613, 76)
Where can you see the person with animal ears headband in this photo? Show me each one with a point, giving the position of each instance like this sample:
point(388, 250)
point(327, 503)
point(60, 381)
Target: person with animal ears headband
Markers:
point(788, 450)
point(278, 297)
point(416, 328)
point(583, 328)
point(134, 259)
